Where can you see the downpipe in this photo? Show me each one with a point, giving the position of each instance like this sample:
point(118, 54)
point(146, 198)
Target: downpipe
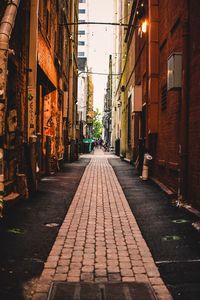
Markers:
point(6, 27)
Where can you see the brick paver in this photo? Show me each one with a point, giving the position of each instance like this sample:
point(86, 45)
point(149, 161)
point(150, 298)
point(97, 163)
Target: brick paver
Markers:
point(99, 240)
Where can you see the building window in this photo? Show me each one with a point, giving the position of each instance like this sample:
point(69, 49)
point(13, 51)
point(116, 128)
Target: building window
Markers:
point(81, 32)
point(46, 8)
point(81, 43)
point(57, 5)
point(81, 54)
point(82, 1)
point(48, 25)
point(55, 42)
point(41, 9)
point(129, 119)
point(81, 11)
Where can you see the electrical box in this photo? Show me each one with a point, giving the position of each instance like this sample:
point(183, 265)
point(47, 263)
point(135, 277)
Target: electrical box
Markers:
point(174, 71)
point(137, 98)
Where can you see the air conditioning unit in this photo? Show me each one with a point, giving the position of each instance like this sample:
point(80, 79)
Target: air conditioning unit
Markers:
point(137, 98)
point(174, 71)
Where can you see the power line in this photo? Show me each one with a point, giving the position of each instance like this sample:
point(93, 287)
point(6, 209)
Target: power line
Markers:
point(98, 73)
point(95, 23)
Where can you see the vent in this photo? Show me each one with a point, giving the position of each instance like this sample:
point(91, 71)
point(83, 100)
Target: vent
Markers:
point(164, 97)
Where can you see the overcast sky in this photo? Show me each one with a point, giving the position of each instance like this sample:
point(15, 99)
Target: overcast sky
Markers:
point(100, 45)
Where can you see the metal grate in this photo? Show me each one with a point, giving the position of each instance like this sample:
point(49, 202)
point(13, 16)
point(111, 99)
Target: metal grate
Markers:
point(164, 97)
point(101, 291)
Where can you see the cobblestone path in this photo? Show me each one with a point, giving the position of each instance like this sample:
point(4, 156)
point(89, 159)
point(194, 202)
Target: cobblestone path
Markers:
point(99, 240)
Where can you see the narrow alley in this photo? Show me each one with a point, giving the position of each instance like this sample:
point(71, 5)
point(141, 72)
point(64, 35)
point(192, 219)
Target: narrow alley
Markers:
point(99, 150)
point(93, 248)
point(99, 241)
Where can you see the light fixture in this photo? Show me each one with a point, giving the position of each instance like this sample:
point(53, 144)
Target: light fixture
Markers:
point(144, 26)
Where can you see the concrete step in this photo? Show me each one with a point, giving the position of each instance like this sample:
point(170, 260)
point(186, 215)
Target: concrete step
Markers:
point(9, 186)
point(11, 197)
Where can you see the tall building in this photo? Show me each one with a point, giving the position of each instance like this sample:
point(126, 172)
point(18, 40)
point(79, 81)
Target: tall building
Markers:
point(83, 13)
point(117, 69)
point(107, 113)
point(83, 31)
point(89, 104)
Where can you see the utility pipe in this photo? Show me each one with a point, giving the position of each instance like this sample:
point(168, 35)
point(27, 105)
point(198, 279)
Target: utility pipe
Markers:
point(6, 27)
point(31, 93)
point(32, 70)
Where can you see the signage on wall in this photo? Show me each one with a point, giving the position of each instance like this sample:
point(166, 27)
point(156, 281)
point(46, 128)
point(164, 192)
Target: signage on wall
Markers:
point(31, 111)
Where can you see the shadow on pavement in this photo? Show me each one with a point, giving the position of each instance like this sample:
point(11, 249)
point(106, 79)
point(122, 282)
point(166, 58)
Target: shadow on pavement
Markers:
point(28, 231)
point(168, 231)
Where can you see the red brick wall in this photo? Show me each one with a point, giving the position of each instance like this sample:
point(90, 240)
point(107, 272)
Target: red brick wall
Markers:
point(170, 40)
point(46, 60)
point(194, 107)
point(19, 43)
point(16, 94)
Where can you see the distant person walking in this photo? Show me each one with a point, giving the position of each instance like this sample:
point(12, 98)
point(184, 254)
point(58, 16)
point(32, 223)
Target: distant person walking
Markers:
point(100, 143)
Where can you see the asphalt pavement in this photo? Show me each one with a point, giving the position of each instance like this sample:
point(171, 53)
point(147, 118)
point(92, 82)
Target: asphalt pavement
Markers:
point(168, 231)
point(29, 229)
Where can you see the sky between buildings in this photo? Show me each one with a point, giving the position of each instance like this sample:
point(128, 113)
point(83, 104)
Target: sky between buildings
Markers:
point(100, 45)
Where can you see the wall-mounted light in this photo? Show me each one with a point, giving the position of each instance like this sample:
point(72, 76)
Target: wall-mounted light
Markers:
point(144, 26)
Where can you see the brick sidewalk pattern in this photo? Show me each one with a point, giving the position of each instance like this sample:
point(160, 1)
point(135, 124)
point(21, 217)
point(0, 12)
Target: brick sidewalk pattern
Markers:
point(99, 240)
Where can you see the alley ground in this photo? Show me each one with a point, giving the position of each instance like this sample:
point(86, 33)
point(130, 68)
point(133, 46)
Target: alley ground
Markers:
point(99, 248)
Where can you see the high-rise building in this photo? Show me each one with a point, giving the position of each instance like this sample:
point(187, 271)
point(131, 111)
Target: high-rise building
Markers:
point(83, 31)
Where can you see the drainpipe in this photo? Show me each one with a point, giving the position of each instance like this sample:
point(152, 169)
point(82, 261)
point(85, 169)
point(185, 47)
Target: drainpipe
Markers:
point(32, 71)
point(6, 28)
point(32, 94)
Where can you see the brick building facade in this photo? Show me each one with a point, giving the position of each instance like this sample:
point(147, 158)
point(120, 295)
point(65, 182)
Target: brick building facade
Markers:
point(40, 114)
point(162, 64)
point(193, 142)
point(15, 130)
point(177, 157)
